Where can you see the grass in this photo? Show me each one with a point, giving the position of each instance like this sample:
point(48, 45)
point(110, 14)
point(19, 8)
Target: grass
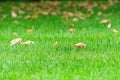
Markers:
point(43, 61)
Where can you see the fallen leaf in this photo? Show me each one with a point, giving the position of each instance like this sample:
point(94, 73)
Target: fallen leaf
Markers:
point(3, 16)
point(29, 42)
point(56, 44)
point(75, 19)
point(71, 26)
point(109, 26)
point(66, 17)
point(104, 21)
point(29, 30)
point(15, 34)
point(71, 29)
point(115, 31)
point(99, 13)
point(34, 16)
point(27, 17)
point(82, 17)
point(14, 15)
point(80, 45)
point(16, 22)
point(15, 41)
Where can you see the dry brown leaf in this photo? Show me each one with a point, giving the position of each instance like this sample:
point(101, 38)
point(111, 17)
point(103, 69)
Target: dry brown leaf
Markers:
point(15, 41)
point(14, 15)
point(85, 5)
point(109, 26)
point(104, 21)
point(56, 44)
point(80, 45)
point(71, 26)
point(29, 30)
point(29, 42)
point(115, 31)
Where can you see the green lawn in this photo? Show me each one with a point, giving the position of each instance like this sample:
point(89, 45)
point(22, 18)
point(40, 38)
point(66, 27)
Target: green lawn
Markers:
point(100, 60)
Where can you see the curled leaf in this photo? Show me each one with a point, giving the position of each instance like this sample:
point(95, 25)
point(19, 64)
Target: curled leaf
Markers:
point(28, 42)
point(80, 45)
point(15, 41)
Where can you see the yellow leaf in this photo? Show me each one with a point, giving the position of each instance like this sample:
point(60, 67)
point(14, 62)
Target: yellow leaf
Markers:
point(29, 30)
point(56, 44)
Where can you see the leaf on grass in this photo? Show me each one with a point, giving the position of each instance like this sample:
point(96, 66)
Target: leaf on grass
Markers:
point(15, 41)
point(82, 18)
point(75, 19)
point(16, 22)
point(99, 13)
point(14, 15)
point(80, 45)
point(66, 17)
point(27, 17)
point(29, 30)
point(56, 44)
point(109, 26)
point(71, 29)
point(71, 26)
point(115, 31)
point(34, 16)
point(3, 16)
point(29, 42)
point(104, 21)
point(15, 34)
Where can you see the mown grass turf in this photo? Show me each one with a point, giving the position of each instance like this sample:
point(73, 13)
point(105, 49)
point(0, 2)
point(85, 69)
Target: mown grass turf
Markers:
point(100, 60)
